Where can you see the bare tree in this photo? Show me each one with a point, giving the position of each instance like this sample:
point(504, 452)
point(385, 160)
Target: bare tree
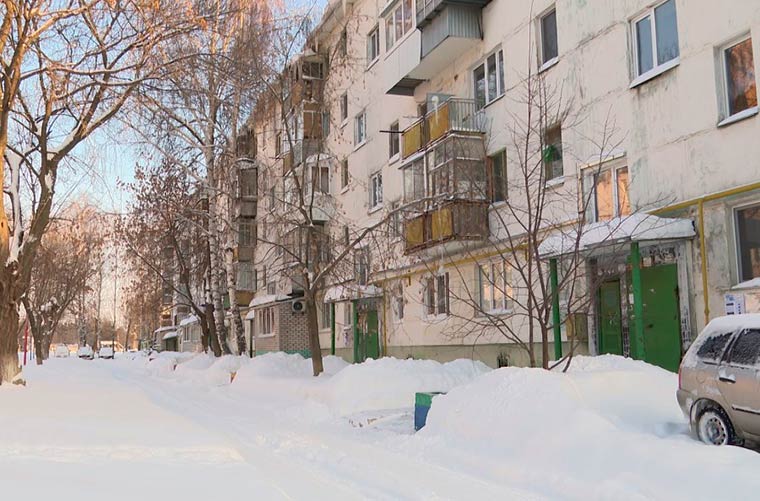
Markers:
point(68, 68)
point(66, 261)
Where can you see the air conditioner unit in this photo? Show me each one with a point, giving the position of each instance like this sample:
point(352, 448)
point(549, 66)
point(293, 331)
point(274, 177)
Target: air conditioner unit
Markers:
point(298, 306)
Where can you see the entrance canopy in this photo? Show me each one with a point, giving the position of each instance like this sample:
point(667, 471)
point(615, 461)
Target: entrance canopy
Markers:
point(620, 230)
point(340, 293)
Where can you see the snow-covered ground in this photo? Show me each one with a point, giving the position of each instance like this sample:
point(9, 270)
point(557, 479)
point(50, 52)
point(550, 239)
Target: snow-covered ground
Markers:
point(177, 428)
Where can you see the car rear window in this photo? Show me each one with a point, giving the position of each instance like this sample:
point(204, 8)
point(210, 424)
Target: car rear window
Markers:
point(746, 349)
point(713, 347)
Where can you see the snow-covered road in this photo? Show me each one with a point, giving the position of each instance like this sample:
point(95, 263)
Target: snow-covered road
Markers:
point(108, 430)
point(175, 428)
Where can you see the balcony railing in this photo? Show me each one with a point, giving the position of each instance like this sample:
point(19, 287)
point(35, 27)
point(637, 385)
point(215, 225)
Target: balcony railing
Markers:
point(454, 220)
point(301, 151)
point(454, 115)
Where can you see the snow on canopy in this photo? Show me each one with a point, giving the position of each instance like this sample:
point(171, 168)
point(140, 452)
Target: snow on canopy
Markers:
point(268, 299)
point(170, 335)
point(192, 319)
point(633, 228)
point(340, 293)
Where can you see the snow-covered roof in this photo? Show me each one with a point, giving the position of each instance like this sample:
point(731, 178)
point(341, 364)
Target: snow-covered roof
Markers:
point(268, 299)
point(340, 293)
point(749, 284)
point(170, 335)
point(192, 319)
point(250, 315)
point(633, 228)
point(164, 329)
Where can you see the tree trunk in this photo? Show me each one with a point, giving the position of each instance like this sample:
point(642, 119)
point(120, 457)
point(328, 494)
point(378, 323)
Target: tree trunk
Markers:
point(211, 326)
point(217, 281)
point(313, 326)
point(9, 366)
point(47, 338)
point(38, 350)
point(237, 320)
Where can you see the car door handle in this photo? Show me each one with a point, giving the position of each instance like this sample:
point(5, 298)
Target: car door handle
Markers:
point(726, 378)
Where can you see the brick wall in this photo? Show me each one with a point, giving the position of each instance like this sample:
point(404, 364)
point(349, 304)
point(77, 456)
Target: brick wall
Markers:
point(293, 331)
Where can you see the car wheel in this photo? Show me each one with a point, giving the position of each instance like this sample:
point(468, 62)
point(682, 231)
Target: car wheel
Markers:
point(714, 427)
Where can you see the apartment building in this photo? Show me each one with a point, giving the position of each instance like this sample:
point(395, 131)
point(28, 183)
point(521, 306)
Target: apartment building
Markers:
point(642, 148)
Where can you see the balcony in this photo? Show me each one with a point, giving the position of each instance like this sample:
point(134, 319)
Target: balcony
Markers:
point(302, 150)
point(453, 116)
point(453, 220)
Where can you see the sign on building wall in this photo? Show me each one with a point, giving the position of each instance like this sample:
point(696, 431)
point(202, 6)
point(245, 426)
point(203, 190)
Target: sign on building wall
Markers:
point(735, 304)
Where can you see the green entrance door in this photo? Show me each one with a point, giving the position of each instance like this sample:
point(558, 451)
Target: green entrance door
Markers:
point(366, 337)
point(610, 318)
point(662, 325)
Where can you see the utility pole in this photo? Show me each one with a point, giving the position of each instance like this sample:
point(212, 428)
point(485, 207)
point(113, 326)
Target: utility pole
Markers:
point(115, 291)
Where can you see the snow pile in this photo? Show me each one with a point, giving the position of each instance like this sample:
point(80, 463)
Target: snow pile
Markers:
point(390, 383)
point(595, 432)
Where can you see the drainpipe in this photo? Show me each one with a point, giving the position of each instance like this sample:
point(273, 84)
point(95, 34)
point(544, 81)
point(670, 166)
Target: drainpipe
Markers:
point(703, 259)
point(699, 202)
point(637, 340)
point(332, 329)
point(355, 305)
point(555, 309)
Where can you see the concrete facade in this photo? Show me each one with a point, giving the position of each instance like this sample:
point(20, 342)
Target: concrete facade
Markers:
point(686, 154)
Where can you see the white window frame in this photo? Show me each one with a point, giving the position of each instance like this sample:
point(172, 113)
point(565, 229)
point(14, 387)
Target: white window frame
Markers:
point(266, 322)
point(500, 82)
point(324, 316)
point(344, 108)
point(545, 65)
point(657, 69)
point(394, 139)
point(360, 129)
point(373, 45)
point(376, 191)
point(725, 106)
point(345, 175)
point(397, 303)
point(589, 189)
point(501, 283)
point(391, 42)
point(316, 172)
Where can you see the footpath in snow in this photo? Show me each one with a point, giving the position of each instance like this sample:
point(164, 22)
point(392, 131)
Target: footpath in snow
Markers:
point(193, 427)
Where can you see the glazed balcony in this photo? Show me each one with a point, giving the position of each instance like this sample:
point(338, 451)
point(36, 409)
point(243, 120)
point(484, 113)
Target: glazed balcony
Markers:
point(453, 220)
point(453, 116)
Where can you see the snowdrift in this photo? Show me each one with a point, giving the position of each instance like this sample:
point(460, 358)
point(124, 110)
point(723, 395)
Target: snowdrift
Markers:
point(610, 428)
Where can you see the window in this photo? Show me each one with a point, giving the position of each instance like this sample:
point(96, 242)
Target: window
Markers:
point(746, 349)
point(312, 70)
point(246, 280)
point(278, 144)
point(608, 189)
point(343, 43)
point(397, 302)
point(498, 164)
point(266, 321)
point(320, 178)
point(748, 242)
point(394, 140)
point(325, 124)
point(489, 79)
point(325, 315)
point(344, 177)
point(272, 198)
point(245, 233)
point(656, 37)
point(395, 229)
point(713, 347)
point(376, 190)
point(495, 289)
point(548, 31)
point(247, 183)
point(552, 154)
point(739, 76)
point(348, 318)
point(344, 107)
point(346, 235)
point(398, 23)
point(360, 128)
point(373, 45)
point(361, 266)
point(437, 295)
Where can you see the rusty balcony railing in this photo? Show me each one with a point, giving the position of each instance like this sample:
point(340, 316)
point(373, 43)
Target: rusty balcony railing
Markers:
point(454, 115)
point(455, 220)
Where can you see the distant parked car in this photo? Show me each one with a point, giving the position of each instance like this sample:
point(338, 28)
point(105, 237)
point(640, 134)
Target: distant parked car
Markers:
point(86, 353)
point(61, 351)
point(105, 352)
point(719, 381)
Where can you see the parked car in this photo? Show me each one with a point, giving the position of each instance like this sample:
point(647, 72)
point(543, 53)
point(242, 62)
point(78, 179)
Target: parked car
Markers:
point(86, 353)
point(61, 351)
point(105, 352)
point(719, 381)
